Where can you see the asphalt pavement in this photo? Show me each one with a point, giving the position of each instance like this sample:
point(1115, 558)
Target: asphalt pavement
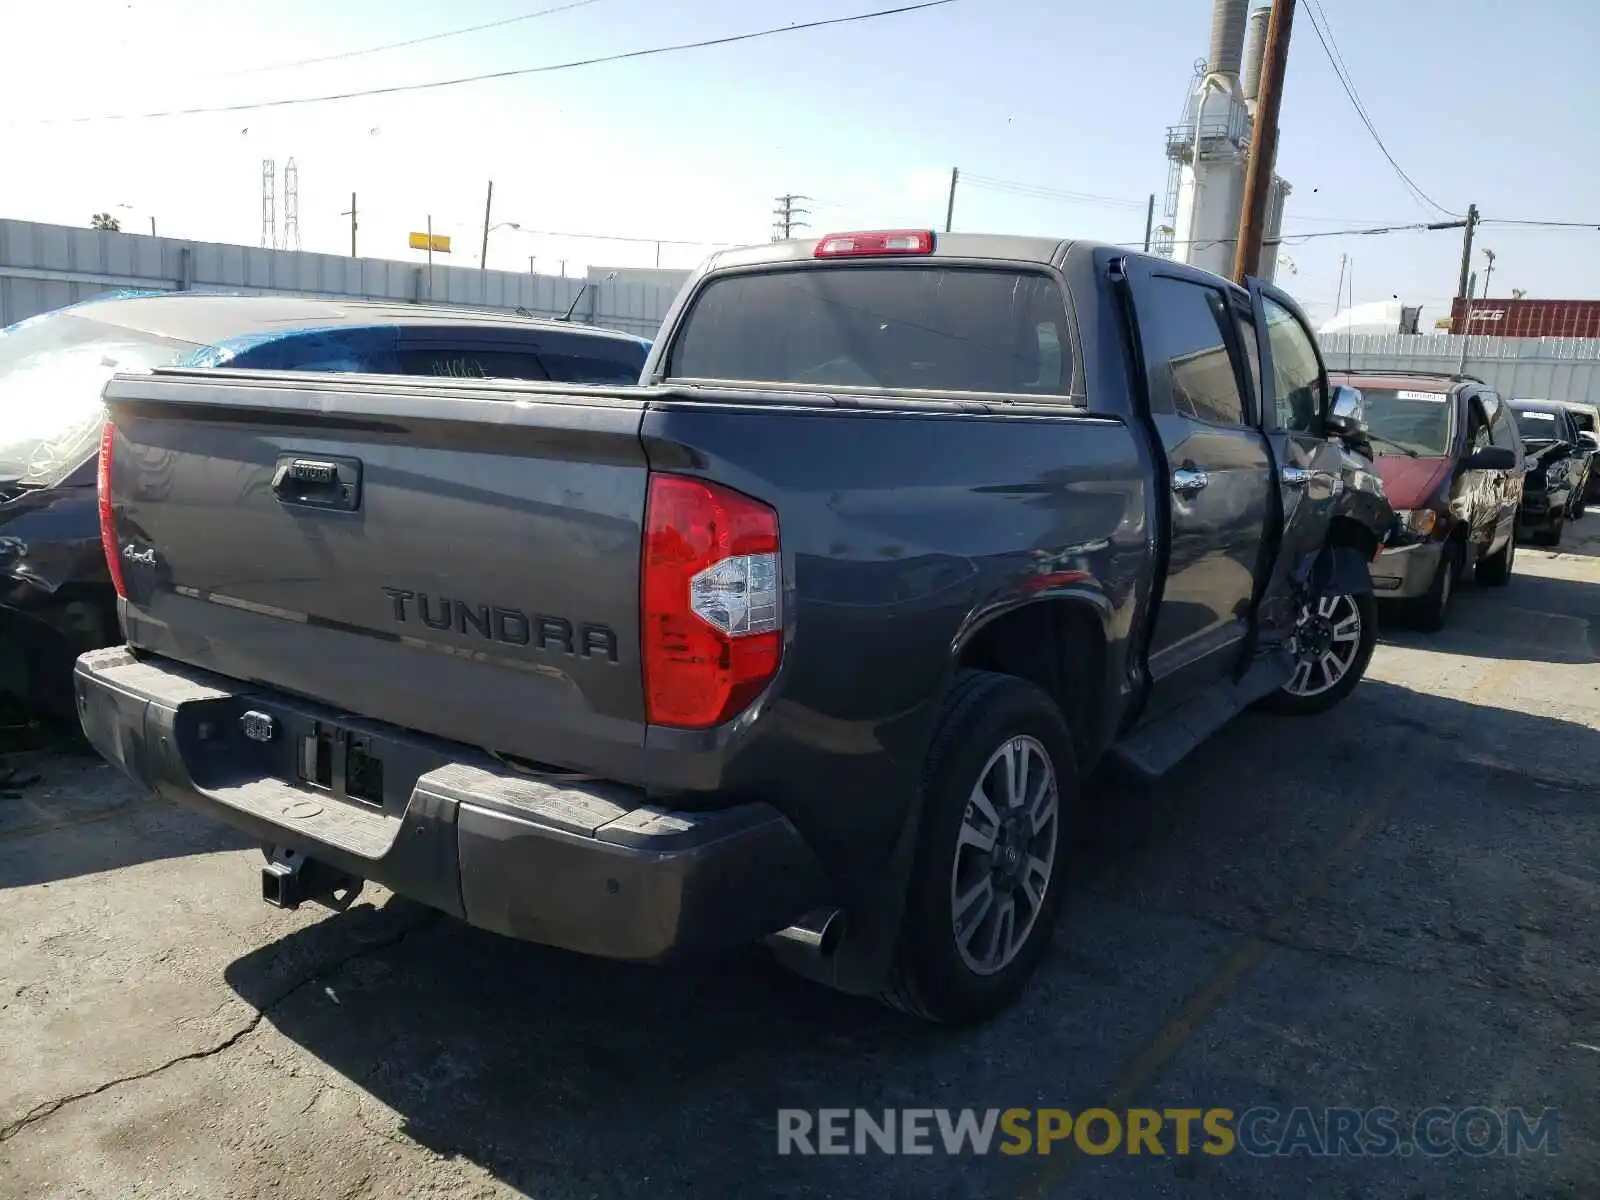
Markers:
point(1392, 908)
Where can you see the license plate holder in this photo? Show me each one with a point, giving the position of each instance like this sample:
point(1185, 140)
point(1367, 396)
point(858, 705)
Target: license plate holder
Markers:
point(344, 762)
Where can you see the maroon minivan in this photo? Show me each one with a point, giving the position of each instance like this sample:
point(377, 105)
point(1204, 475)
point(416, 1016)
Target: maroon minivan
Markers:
point(1451, 461)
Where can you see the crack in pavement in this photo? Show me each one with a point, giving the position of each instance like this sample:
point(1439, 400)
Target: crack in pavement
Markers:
point(47, 1108)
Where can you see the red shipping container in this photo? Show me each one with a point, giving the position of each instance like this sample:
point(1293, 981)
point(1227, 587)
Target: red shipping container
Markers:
point(1530, 318)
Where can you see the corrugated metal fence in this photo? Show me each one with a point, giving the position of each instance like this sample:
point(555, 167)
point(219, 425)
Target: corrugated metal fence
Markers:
point(1519, 368)
point(46, 266)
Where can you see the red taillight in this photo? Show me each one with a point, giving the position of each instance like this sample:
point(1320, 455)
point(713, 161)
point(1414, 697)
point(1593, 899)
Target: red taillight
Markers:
point(108, 531)
point(888, 241)
point(711, 601)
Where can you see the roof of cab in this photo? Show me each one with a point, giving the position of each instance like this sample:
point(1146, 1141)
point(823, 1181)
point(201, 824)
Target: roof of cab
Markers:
point(208, 317)
point(1002, 247)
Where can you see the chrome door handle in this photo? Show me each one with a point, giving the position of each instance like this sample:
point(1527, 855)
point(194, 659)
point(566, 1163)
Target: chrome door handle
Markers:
point(1295, 477)
point(1186, 481)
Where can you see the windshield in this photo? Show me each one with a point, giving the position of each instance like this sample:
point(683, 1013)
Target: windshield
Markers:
point(963, 329)
point(1539, 424)
point(1402, 420)
point(52, 371)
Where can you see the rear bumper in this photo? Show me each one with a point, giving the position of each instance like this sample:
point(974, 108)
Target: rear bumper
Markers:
point(584, 865)
point(1405, 572)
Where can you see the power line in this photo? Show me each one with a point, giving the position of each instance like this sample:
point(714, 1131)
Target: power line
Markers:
point(396, 89)
point(1335, 60)
point(1041, 192)
point(1541, 224)
point(417, 41)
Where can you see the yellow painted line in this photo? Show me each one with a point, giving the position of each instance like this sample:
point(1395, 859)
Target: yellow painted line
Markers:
point(1204, 1001)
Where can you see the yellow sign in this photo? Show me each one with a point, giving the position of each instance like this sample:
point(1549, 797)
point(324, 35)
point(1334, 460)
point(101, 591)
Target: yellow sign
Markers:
point(1442, 323)
point(441, 242)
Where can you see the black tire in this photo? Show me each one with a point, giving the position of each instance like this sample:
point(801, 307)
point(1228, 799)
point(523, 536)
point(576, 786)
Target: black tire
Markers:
point(1495, 571)
point(1294, 704)
point(1430, 611)
point(930, 978)
point(1552, 535)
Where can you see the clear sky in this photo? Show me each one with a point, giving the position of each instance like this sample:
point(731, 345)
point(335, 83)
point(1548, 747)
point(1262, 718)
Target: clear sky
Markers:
point(1478, 101)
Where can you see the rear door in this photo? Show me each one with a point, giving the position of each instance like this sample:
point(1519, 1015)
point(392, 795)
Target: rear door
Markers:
point(1294, 396)
point(1218, 474)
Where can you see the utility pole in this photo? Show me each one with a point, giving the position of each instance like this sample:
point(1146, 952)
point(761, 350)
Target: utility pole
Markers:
point(788, 217)
point(1488, 273)
point(1466, 328)
point(950, 205)
point(352, 215)
point(1338, 295)
point(1466, 249)
point(152, 227)
point(1263, 142)
point(488, 203)
point(1149, 221)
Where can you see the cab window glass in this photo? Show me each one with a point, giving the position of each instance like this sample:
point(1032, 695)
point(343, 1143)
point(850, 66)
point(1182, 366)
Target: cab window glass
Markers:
point(1296, 375)
point(1192, 330)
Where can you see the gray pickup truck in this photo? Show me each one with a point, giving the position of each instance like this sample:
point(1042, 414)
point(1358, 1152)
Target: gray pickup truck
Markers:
point(813, 637)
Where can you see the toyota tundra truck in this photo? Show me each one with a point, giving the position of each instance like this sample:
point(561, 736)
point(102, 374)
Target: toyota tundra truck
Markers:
point(814, 637)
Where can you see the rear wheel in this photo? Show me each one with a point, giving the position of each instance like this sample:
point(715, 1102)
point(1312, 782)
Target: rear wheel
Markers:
point(1332, 644)
point(1495, 571)
point(1551, 536)
point(987, 884)
point(1430, 610)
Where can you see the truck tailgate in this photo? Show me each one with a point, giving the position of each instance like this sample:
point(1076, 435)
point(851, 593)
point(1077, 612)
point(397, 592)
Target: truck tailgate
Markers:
point(458, 560)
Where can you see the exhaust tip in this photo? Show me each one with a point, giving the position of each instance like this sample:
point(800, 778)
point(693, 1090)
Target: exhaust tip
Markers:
point(817, 933)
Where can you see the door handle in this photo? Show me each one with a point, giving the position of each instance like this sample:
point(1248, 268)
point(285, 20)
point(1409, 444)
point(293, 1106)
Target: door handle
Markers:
point(1186, 481)
point(333, 482)
point(1295, 477)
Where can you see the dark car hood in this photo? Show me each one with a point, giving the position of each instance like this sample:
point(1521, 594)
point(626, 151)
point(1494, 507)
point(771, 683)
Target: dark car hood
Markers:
point(1411, 482)
point(49, 538)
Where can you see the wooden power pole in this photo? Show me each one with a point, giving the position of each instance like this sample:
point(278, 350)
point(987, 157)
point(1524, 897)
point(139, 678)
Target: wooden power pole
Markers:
point(1263, 143)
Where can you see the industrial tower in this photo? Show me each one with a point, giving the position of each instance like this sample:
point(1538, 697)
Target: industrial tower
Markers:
point(1207, 150)
point(291, 206)
point(269, 211)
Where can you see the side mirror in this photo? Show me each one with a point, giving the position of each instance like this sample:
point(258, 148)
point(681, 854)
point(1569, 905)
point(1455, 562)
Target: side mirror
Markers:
point(1490, 458)
point(1347, 415)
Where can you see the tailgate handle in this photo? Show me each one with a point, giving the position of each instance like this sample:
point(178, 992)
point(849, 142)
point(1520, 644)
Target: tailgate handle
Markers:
point(318, 482)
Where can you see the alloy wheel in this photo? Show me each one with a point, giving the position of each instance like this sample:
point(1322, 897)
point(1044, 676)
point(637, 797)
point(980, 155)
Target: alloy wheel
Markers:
point(1326, 641)
point(1005, 858)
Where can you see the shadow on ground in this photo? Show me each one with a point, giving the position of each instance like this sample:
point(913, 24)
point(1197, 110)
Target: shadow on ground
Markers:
point(103, 821)
point(1535, 618)
point(568, 1076)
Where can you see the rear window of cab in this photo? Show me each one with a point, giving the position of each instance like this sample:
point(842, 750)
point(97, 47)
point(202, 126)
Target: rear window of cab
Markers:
point(898, 328)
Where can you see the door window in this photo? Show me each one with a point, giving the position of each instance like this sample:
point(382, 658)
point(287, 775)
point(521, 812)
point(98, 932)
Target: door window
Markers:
point(1501, 431)
point(1192, 325)
point(1296, 370)
point(1477, 425)
point(1252, 358)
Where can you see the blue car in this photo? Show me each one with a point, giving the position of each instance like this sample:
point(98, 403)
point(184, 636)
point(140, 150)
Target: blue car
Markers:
point(56, 600)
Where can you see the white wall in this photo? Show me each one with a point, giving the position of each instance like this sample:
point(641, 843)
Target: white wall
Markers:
point(46, 266)
point(1518, 368)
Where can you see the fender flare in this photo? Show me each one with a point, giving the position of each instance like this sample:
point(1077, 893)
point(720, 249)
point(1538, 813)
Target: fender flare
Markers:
point(1335, 571)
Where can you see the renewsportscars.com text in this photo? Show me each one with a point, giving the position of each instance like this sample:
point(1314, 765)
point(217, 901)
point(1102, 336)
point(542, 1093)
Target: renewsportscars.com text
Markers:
point(1259, 1131)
